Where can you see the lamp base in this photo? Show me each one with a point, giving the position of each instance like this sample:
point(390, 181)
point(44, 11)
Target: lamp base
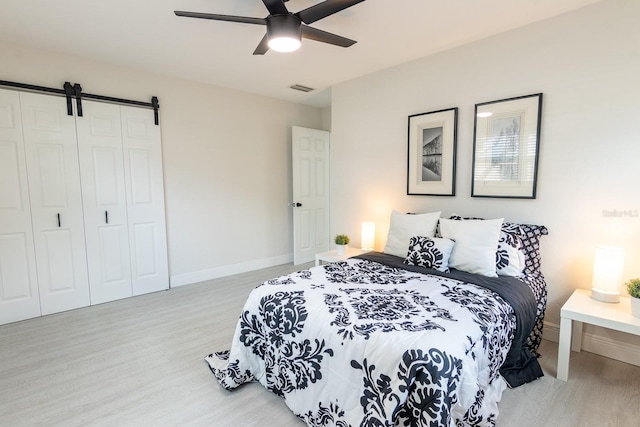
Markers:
point(605, 296)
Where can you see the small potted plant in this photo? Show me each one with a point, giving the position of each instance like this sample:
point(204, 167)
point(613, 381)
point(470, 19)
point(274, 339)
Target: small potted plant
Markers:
point(633, 287)
point(342, 240)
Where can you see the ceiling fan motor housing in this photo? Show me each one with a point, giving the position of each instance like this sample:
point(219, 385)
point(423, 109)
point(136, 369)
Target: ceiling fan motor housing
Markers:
point(287, 26)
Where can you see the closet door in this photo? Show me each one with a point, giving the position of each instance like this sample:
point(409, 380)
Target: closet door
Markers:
point(19, 298)
point(104, 201)
point(145, 200)
point(56, 205)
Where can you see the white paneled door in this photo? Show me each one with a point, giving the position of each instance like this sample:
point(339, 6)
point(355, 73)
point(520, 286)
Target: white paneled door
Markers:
point(56, 204)
point(104, 201)
point(310, 165)
point(145, 200)
point(19, 297)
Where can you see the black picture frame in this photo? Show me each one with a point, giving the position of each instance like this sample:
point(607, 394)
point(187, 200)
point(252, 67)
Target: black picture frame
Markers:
point(506, 147)
point(431, 155)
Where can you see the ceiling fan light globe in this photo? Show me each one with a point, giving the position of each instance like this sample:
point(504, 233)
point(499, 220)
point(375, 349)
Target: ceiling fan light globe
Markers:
point(284, 44)
point(284, 33)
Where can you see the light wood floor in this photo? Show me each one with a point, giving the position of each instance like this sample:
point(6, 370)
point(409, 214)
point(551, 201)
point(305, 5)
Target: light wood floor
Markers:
point(139, 362)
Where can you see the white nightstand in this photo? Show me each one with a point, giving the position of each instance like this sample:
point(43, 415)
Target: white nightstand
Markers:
point(581, 308)
point(332, 256)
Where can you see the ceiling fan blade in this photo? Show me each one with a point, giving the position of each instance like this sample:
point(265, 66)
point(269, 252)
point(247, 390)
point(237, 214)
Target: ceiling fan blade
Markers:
point(275, 7)
point(325, 37)
point(263, 46)
point(324, 9)
point(229, 18)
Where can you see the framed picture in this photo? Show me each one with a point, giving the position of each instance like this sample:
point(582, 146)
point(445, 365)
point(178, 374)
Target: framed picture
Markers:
point(431, 165)
point(506, 141)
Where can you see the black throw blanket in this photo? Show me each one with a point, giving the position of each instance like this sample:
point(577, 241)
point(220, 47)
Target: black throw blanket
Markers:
point(520, 366)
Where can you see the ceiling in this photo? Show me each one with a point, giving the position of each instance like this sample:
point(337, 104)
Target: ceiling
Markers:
point(145, 34)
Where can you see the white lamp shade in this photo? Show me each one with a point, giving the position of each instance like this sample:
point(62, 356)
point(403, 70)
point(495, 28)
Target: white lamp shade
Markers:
point(607, 274)
point(368, 236)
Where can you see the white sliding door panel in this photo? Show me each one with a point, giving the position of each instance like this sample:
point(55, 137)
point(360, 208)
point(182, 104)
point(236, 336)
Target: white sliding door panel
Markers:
point(19, 297)
point(56, 203)
point(104, 201)
point(145, 200)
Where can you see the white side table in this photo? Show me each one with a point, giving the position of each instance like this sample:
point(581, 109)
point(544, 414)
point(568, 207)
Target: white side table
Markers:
point(581, 308)
point(332, 256)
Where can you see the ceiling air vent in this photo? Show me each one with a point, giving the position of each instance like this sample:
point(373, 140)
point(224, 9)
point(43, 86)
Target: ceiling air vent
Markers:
point(301, 88)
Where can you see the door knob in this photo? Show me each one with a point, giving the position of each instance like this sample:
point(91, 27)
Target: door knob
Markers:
point(296, 204)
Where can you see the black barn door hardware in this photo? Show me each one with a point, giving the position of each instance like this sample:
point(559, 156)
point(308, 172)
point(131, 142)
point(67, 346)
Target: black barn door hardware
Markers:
point(156, 106)
point(75, 91)
point(68, 92)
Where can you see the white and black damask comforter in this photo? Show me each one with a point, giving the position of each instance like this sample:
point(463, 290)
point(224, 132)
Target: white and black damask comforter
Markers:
point(365, 343)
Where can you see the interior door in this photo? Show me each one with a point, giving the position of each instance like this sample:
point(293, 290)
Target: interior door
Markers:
point(104, 201)
point(310, 157)
point(19, 298)
point(56, 204)
point(145, 200)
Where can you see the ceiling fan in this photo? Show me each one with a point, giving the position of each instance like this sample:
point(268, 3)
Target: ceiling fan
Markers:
point(285, 29)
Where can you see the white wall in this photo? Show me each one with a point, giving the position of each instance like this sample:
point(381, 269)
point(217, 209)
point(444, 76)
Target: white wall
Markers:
point(226, 157)
point(587, 64)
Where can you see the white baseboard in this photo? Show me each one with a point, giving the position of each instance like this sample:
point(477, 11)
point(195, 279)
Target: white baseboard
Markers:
point(597, 344)
point(551, 332)
point(227, 270)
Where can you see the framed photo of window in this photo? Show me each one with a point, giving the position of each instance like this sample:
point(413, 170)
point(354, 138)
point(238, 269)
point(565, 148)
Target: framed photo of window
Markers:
point(506, 143)
point(431, 162)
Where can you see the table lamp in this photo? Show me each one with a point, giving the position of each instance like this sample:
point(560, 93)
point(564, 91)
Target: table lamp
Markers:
point(368, 235)
point(607, 274)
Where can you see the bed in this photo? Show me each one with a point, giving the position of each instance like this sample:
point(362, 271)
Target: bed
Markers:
point(383, 339)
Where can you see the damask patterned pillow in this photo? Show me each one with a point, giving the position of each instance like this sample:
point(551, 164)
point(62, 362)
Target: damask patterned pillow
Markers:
point(510, 257)
point(429, 252)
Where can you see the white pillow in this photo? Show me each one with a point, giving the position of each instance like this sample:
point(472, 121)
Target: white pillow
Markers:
point(476, 244)
point(402, 227)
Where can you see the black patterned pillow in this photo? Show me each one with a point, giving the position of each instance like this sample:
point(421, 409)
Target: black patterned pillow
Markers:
point(529, 236)
point(429, 252)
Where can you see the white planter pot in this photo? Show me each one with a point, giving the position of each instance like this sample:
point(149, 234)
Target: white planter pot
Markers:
point(341, 249)
point(635, 306)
